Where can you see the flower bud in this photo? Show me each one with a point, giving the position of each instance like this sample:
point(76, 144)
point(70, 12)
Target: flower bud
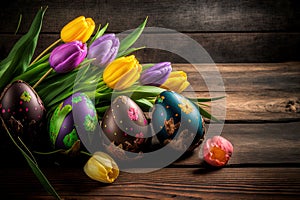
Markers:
point(122, 72)
point(217, 151)
point(67, 56)
point(80, 28)
point(101, 167)
point(104, 49)
point(156, 75)
point(177, 82)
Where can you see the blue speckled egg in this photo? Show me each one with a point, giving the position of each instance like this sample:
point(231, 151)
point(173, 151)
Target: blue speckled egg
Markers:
point(75, 114)
point(177, 121)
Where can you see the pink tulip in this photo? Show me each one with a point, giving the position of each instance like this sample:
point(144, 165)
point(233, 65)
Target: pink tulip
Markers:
point(217, 151)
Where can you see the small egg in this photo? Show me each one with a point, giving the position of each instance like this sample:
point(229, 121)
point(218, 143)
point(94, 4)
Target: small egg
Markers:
point(125, 125)
point(75, 114)
point(177, 121)
point(23, 113)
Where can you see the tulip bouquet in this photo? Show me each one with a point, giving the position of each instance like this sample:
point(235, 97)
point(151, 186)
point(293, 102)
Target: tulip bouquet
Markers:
point(97, 64)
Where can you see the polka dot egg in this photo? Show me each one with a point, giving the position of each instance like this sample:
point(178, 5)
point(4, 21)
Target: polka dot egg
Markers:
point(124, 125)
point(23, 113)
point(177, 121)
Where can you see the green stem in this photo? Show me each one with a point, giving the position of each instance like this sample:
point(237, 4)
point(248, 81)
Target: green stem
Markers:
point(32, 157)
point(48, 153)
point(42, 78)
point(86, 153)
point(45, 51)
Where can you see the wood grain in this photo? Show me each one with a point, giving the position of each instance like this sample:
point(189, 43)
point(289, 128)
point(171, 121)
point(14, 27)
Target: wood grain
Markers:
point(254, 92)
point(168, 183)
point(187, 16)
point(257, 144)
point(254, 145)
point(221, 47)
point(262, 98)
point(243, 31)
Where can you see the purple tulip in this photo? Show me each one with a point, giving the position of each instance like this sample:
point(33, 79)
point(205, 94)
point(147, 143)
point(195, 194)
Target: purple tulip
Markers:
point(67, 56)
point(104, 49)
point(156, 75)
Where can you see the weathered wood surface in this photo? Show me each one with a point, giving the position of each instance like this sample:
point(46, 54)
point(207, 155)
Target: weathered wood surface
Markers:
point(168, 183)
point(262, 99)
point(222, 47)
point(265, 163)
point(183, 16)
point(270, 144)
point(254, 92)
point(230, 31)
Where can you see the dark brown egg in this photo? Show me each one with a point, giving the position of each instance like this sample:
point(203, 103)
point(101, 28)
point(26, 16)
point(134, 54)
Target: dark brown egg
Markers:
point(125, 125)
point(23, 113)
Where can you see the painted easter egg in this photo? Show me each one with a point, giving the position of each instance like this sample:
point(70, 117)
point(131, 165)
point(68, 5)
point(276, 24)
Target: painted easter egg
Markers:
point(23, 113)
point(177, 121)
point(76, 114)
point(125, 125)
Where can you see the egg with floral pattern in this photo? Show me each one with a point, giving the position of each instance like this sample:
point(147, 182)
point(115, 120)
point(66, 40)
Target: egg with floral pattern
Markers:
point(177, 121)
point(125, 126)
point(23, 113)
point(76, 114)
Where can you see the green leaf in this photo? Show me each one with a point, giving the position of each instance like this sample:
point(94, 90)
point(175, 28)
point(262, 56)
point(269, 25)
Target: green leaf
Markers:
point(19, 23)
point(148, 65)
point(99, 33)
point(206, 99)
point(33, 165)
point(129, 51)
point(144, 104)
point(205, 114)
point(21, 54)
point(130, 39)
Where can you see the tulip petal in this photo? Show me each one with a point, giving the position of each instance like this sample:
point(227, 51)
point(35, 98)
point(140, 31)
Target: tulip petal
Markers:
point(217, 151)
point(101, 167)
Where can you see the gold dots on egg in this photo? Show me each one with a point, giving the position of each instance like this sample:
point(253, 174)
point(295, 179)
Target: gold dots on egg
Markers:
point(121, 121)
point(115, 133)
point(105, 125)
point(118, 105)
point(167, 106)
point(176, 115)
point(189, 120)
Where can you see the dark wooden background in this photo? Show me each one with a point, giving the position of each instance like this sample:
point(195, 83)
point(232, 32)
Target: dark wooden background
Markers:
point(230, 31)
point(256, 45)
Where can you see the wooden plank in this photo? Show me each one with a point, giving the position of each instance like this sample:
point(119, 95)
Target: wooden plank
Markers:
point(265, 143)
point(254, 144)
point(189, 16)
point(244, 77)
point(254, 92)
point(168, 183)
point(221, 47)
point(261, 106)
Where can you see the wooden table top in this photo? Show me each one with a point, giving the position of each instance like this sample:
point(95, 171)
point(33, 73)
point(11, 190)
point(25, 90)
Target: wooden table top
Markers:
point(262, 122)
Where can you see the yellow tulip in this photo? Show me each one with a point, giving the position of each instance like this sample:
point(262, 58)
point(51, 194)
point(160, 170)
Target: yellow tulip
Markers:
point(177, 81)
point(80, 28)
point(101, 167)
point(122, 72)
